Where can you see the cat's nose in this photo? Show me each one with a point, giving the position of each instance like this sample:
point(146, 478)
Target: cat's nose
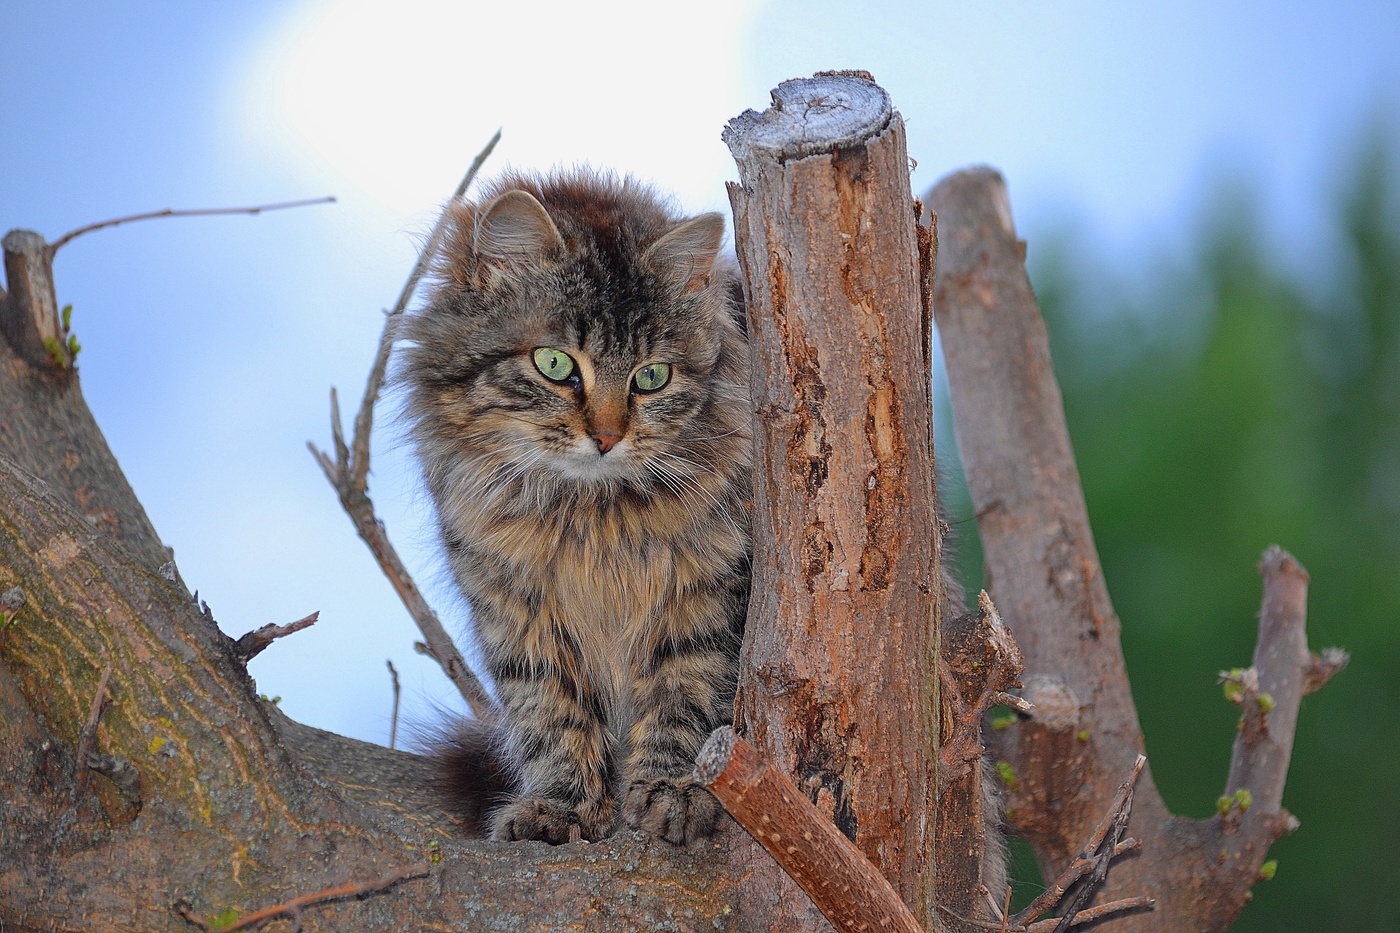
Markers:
point(605, 440)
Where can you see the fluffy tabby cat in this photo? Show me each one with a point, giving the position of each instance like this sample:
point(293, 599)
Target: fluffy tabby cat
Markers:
point(579, 388)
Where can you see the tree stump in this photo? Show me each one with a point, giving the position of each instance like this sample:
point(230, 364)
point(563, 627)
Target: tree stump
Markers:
point(839, 682)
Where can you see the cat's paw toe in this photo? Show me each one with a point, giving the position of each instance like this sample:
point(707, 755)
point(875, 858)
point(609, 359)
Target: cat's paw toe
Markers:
point(679, 811)
point(550, 821)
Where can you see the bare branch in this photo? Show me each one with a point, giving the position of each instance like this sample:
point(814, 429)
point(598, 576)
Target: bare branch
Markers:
point(979, 662)
point(293, 907)
point(1322, 668)
point(846, 888)
point(1119, 906)
point(200, 212)
point(100, 701)
point(348, 473)
point(364, 419)
point(1104, 845)
point(251, 644)
point(394, 716)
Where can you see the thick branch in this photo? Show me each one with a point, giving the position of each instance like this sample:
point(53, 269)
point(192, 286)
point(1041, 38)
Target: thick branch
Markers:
point(1045, 576)
point(846, 540)
point(849, 891)
point(29, 317)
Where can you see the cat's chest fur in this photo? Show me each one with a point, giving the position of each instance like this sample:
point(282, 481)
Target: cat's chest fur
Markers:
point(612, 577)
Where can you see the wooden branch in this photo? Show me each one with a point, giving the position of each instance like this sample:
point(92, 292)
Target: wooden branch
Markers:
point(394, 715)
point(1040, 555)
point(294, 907)
point(1122, 905)
point(348, 474)
point(29, 317)
point(197, 212)
point(978, 663)
point(1093, 860)
point(251, 644)
point(1049, 586)
point(846, 537)
point(100, 701)
point(847, 889)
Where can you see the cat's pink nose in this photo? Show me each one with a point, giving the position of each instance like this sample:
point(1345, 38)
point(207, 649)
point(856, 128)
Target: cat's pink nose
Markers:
point(605, 440)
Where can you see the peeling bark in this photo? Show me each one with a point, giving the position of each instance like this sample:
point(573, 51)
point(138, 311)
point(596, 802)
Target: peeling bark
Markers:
point(839, 685)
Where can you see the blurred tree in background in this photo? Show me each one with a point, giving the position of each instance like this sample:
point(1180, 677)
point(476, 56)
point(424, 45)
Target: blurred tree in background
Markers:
point(1237, 405)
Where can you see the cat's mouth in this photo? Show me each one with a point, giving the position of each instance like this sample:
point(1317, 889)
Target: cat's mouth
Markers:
point(588, 461)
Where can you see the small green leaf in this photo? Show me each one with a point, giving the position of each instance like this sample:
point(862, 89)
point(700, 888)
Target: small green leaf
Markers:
point(1001, 721)
point(1222, 806)
point(1268, 870)
point(1266, 703)
point(1006, 773)
point(74, 346)
point(1083, 735)
point(225, 920)
point(1243, 798)
point(67, 317)
point(55, 352)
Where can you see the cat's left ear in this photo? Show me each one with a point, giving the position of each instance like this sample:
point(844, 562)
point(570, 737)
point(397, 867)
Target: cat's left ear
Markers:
point(686, 254)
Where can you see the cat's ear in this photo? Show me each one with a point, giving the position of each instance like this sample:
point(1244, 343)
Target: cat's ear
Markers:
point(686, 254)
point(515, 230)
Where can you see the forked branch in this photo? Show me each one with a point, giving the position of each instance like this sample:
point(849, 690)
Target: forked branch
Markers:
point(348, 474)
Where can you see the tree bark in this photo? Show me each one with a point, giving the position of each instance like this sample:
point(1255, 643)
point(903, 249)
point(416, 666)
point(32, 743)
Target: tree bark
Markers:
point(839, 682)
point(1044, 574)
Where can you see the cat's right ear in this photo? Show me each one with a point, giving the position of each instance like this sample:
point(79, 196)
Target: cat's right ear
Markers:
point(513, 231)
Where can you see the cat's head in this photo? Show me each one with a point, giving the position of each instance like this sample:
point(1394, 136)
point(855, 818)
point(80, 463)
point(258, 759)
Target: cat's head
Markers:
point(580, 333)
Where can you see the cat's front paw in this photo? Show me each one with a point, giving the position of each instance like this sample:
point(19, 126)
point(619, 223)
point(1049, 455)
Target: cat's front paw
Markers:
point(679, 811)
point(550, 821)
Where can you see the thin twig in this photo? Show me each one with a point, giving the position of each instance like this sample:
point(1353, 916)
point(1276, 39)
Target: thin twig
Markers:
point(1106, 843)
point(100, 699)
point(1094, 913)
point(199, 212)
point(294, 906)
point(365, 418)
point(348, 474)
point(394, 717)
point(251, 644)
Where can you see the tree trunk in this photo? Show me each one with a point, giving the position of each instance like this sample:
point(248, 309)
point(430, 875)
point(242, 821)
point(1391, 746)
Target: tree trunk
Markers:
point(1044, 573)
point(840, 684)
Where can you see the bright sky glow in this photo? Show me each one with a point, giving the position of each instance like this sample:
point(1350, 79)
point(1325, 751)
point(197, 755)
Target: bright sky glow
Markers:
point(397, 106)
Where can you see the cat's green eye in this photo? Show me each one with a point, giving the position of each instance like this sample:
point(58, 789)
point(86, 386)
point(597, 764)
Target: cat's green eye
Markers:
point(554, 365)
point(652, 376)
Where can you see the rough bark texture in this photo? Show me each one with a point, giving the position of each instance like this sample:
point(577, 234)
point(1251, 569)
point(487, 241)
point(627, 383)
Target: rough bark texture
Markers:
point(46, 428)
point(839, 684)
point(842, 882)
point(1044, 573)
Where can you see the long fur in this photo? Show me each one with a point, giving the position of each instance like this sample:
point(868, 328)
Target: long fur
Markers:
point(599, 532)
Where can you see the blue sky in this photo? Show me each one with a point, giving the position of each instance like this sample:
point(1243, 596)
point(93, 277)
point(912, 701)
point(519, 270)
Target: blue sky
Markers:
point(210, 344)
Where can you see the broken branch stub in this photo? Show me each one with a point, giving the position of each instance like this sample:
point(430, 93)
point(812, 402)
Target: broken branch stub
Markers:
point(838, 682)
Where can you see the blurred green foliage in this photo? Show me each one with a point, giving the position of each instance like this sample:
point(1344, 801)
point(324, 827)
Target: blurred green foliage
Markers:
point(1241, 404)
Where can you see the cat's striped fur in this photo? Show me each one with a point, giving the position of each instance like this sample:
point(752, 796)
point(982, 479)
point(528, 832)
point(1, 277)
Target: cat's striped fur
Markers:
point(600, 532)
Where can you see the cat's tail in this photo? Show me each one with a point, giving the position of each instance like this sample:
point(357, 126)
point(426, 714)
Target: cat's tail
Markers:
point(471, 772)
